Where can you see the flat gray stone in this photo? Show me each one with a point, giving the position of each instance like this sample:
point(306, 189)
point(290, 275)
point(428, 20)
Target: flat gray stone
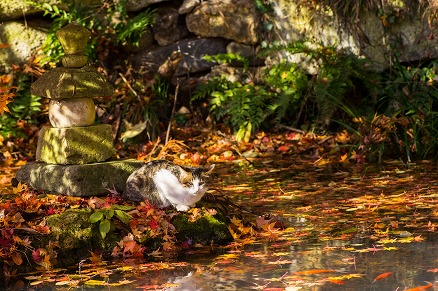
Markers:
point(78, 180)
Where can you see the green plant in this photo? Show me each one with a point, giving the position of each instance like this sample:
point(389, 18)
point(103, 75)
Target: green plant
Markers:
point(247, 106)
point(104, 217)
point(229, 58)
point(411, 94)
point(338, 74)
point(108, 21)
point(242, 106)
point(289, 83)
point(406, 120)
point(25, 106)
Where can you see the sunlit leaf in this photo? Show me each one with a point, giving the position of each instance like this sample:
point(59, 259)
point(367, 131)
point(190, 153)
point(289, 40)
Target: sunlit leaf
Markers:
point(96, 216)
point(123, 216)
point(419, 288)
point(104, 227)
point(95, 283)
point(20, 188)
point(133, 130)
point(382, 276)
point(312, 272)
point(121, 283)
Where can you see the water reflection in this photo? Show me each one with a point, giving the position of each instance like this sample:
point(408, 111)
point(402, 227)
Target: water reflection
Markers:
point(282, 266)
point(310, 256)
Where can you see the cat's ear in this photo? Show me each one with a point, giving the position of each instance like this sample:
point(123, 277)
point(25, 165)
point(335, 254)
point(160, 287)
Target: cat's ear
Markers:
point(186, 176)
point(209, 169)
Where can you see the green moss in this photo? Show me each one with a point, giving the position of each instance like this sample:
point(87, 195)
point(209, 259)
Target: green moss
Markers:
point(76, 236)
point(205, 230)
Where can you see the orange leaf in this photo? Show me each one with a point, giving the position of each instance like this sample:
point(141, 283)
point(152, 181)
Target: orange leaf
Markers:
point(433, 270)
point(95, 258)
point(18, 260)
point(312, 272)
point(382, 276)
point(336, 281)
point(419, 288)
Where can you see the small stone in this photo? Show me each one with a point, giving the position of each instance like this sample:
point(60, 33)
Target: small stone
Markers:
point(75, 145)
point(74, 61)
point(72, 112)
point(73, 38)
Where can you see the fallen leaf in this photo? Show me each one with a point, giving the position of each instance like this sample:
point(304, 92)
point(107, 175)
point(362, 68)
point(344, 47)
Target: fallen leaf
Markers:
point(419, 288)
point(382, 276)
point(312, 272)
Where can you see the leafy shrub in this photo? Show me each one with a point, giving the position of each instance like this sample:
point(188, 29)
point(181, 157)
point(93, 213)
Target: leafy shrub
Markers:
point(247, 106)
point(283, 89)
point(410, 97)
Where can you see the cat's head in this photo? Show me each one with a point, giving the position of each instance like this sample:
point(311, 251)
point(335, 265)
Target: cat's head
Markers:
point(195, 177)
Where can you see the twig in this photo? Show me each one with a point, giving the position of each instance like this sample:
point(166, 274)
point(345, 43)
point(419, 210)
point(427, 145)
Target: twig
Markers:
point(153, 149)
point(291, 128)
point(129, 86)
point(173, 112)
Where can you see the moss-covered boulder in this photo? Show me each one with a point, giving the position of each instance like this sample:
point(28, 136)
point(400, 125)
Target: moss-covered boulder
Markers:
point(205, 230)
point(77, 236)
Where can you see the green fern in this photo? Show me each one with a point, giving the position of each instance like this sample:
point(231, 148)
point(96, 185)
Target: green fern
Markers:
point(245, 107)
point(228, 58)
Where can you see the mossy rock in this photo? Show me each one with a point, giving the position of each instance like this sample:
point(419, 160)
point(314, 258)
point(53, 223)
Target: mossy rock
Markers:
point(206, 230)
point(77, 236)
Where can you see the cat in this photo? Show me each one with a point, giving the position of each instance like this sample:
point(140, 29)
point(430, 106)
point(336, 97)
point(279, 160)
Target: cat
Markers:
point(165, 184)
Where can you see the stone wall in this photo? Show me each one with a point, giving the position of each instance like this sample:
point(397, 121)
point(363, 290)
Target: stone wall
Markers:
point(197, 27)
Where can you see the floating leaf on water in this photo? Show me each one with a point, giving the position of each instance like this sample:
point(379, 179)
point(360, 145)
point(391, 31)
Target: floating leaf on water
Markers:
point(382, 276)
point(312, 272)
point(419, 288)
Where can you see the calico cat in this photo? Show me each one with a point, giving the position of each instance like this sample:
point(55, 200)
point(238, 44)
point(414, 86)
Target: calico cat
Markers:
point(165, 184)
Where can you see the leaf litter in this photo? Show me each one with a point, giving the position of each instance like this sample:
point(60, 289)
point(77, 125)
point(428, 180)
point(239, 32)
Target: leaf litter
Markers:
point(286, 190)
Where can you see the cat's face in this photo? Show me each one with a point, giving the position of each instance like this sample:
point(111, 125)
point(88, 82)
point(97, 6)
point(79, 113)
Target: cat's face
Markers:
point(195, 178)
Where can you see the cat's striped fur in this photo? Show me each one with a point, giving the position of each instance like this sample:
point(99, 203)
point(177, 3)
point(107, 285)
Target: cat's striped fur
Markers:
point(164, 184)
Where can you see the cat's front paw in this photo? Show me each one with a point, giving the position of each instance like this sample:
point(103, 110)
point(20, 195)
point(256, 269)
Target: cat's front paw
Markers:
point(181, 207)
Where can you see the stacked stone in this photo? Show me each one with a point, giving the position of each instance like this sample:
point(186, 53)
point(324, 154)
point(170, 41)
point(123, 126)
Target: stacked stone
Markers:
point(73, 154)
point(73, 137)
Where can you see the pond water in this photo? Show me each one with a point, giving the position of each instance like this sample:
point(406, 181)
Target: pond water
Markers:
point(369, 227)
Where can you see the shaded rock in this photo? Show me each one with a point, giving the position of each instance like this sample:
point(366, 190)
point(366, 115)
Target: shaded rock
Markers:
point(78, 180)
point(14, 9)
point(22, 43)
point(408, 36)
point(135, 5)
point(192, 50)
point(75, 145)
point(235, 20)
point(168, 27)
point(63, 82)
point(146, 40)
point(188, 6)
point(247, 51)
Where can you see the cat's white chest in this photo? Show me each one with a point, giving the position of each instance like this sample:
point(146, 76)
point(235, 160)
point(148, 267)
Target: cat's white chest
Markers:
point(172, 192)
